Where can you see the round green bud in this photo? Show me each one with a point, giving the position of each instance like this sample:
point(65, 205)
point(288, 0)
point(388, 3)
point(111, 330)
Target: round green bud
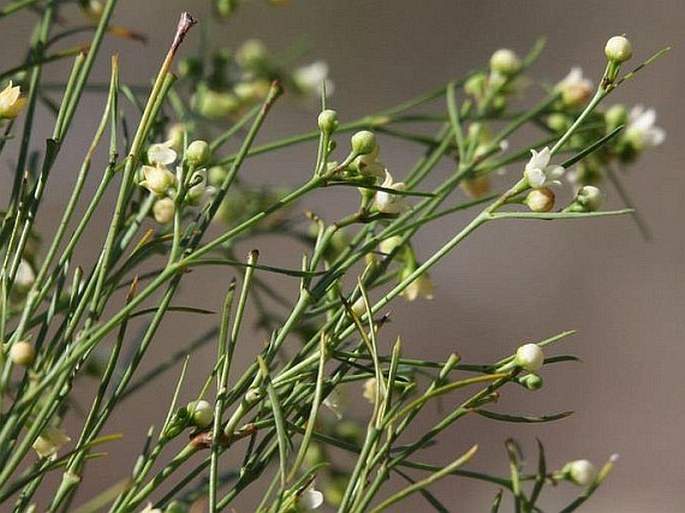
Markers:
point(590, 198)
point(505, 61)
point(22, 353)
point(616, 116)
point(532, 382)
point(198, 153)
point(201, 413)
point(529, 357)
point(190, 67)
point(618, 49)
point(216, 175)
point(558, 122)
point(224, 8)
point(363, 142)
point(328, 121)
point(214, 105)
point(540, 200)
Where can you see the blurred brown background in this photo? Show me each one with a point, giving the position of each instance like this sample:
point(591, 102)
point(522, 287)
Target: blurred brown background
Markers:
point(510, 282)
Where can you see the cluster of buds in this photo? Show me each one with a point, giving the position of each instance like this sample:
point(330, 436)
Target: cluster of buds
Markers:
point(489, 90)
point(639, 133)
point(187, 185)
point(241, 79)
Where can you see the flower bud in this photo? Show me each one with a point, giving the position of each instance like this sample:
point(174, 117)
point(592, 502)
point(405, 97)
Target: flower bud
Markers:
point(529, 357)
point(201, 413)
point(581, 472)
point(505, 61)
point(590, 197)
point(421, 287)
point(25, 277)
point(22, 353)
point(532, 382)
point(328, 121)
point(175, 135)
point(224, 8)
point(157, 179)
point(363, 142)
point(216, 175)
point(253, 91)
point(198, 153)
point(540, 200)
point(616, 116)
point(50, 441)
point(215, 106)
point(11, 102)
point(251, 54)
point(358, 307)
point(163, 210)
point(253, 395)
point(388, 245)
point(369, 392)
point(476, 187)
point(618, 49)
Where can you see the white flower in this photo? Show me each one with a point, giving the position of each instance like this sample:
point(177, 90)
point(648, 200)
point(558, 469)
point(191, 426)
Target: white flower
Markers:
point(369, 393)
point(529, 357)
point(539, 172)
point(50, 441)
point(161, 154)
point(311, 498)
point(575, 89)
point(10, 102)
point(421, 287)
point(310, 79)
point(581, 472)
point(387, 246)
point(641, 131)
point(158, 179)
point(332, 402)
point(25, 277)
point(200, 192)
point(389, 203)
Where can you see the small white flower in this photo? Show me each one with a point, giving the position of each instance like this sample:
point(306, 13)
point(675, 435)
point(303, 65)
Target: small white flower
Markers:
point(421, 287)
point(641, 131)
point(200, 192)
point(369, 392)
point(11, 102)
point(50, 441)
point(25, 277)
point(539, 172)
point(582, 472)
point(310, 499)
point(161, 154)
point(529, 357)
point(310, 79)
point(575, 89)
point(389, 203)
point(332, 402)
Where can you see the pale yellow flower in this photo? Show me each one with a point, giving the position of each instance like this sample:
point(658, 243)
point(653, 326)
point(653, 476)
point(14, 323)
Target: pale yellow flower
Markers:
point(11, 102)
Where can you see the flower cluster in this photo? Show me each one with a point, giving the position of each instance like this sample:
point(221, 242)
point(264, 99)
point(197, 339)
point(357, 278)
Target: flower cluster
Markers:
point(236, 81)
point(188, 185)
